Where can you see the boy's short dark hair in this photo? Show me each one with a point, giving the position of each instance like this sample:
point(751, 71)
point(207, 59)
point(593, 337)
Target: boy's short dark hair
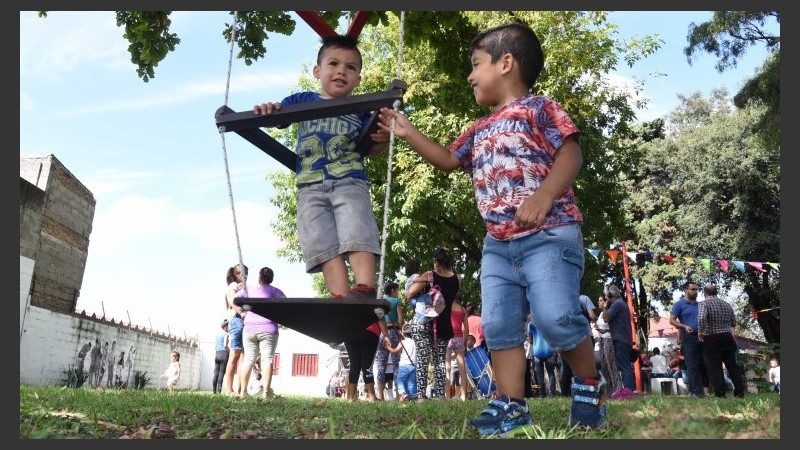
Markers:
point(517, 39)
point(339, 41)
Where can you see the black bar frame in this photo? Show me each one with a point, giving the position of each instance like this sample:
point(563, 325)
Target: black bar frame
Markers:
point(247, 124)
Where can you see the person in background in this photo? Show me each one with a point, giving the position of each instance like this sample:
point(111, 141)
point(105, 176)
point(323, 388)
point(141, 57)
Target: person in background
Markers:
point(716, 323)
point(221, 341)
point(361, 349)
point(236, 281)
point(618, 316)
point(431, 338)
point(173, 372)
point(457, 348)
point(683, 316)
point(774, 375)
point(406, 370)
point(394, 321)
point(260, 334)
point(659, 368)
point(475, 328)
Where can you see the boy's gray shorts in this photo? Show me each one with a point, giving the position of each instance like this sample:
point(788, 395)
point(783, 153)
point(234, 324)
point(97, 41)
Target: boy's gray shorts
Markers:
point(335, 217)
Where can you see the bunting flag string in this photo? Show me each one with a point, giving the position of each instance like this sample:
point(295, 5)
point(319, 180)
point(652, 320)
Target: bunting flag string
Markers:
point(724, 264)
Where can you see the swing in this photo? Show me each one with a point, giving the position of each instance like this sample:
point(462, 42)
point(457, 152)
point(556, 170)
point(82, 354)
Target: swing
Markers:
point(329, 320)
point(246, 123)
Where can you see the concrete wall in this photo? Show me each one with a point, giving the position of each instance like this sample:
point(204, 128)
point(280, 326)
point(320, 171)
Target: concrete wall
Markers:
point(52, 341)
point(59, 243)
point(56, 214)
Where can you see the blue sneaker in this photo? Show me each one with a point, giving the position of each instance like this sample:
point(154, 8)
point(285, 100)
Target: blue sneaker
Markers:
point(501, 417)
point(588, 403)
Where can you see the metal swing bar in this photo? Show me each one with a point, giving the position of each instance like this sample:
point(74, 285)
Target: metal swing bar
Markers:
point(247, 123)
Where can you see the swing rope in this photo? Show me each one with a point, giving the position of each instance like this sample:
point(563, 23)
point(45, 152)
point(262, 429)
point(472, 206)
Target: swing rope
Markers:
point(396, 105)
point(225, 151)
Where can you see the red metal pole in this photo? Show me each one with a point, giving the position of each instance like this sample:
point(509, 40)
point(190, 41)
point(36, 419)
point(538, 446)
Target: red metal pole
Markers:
point(636, 365)
point(316, 23)
point(323, 29)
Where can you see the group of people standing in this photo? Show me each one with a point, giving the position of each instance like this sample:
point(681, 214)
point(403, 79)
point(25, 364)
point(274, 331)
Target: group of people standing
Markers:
point(707, 341)
point(246, 339)
point(418, 342)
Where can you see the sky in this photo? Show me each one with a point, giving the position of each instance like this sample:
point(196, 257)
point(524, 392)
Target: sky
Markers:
point(163, 234)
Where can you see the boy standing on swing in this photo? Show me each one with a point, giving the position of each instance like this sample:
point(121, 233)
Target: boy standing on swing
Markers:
point(523, 158)
point(335, 221)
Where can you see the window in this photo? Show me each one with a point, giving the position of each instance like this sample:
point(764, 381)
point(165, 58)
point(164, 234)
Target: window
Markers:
point(276, 363)
point(304, 365)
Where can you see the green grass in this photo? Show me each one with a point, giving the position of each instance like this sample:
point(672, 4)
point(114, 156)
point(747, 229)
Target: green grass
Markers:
point(58, 413)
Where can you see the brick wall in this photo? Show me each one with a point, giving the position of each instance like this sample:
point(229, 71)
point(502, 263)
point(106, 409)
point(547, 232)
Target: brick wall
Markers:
point(54, 230)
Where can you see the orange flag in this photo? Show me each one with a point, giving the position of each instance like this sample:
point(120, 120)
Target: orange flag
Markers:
point(613, 255)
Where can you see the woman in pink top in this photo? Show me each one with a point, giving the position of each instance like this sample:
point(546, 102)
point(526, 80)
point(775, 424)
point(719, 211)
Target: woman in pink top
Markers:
point(260, 335)
point(458, 319)
point(475, 328)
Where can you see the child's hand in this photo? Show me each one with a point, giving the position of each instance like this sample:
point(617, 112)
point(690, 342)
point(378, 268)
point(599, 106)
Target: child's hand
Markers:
point(402, 126)
point(532, 211)
point(266, 108)
point(380, 137)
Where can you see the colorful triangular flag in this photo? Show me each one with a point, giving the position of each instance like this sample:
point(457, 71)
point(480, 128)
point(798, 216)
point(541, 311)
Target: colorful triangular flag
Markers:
point(595, 252)
point(706, 263)
point(775, 266)
point(612, 254)
point(667, 258)
point(739, 265)
point(688, 259)
point(724, 264)
point(757, 266)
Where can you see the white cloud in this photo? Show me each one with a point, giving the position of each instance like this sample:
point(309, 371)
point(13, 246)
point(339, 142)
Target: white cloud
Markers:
point(73, 39)
point(185, 93)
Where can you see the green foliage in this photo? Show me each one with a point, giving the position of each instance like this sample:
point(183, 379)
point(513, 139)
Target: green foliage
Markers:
point(727, 36)
point(149, 37)
point(74, 376)
point(729, 33)
point(709, 189)
point(429, 208)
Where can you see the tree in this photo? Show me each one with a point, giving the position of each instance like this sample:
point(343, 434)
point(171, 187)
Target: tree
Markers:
point(429, 208)
point(709, 189)
point(727, 36)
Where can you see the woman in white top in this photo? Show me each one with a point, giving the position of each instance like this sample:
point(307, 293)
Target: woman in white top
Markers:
point(608, 364)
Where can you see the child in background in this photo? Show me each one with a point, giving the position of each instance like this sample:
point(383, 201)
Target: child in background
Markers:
point(173, 372)
point(774, 375)
point(523, 157)
point(406, 377)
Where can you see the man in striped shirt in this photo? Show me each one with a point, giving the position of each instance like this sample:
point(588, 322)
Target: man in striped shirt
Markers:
point(715, 326)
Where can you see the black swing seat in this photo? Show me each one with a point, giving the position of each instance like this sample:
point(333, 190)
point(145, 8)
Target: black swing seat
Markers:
point(329, 320)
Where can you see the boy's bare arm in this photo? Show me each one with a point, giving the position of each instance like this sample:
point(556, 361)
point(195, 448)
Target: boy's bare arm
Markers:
point(568, 160)
point(433, 152)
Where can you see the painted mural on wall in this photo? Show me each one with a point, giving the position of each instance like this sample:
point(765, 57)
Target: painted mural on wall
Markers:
point(109, 365)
